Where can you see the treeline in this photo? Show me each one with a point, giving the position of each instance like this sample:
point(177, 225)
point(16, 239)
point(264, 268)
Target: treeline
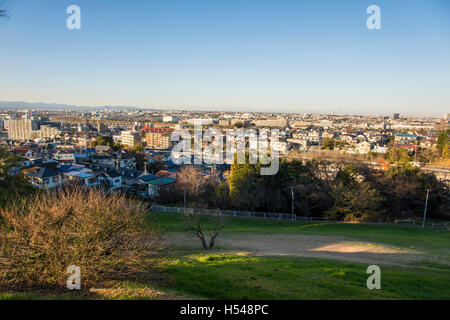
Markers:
point(338, 191)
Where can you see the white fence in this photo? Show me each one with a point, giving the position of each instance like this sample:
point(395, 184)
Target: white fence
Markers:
point(230, 213)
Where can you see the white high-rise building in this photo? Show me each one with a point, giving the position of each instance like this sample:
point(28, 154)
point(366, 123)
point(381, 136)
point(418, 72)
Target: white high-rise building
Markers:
point(447, 116)
point(130, 138)
point(22, 129)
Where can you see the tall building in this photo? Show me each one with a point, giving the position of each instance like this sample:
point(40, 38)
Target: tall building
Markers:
point(395, 116)
point(22, 129)
point(130, 138)
point(275, 123)
point(158, 138)
point(447, 116)
point(171, 119)
point(47, 131)
point(101, 127)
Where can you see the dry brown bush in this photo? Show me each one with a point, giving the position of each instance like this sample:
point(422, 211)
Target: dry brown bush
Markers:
point(105, 235)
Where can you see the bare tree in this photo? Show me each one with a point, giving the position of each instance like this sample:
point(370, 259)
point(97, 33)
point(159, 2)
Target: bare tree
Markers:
point(191, 180)
point(205, 228)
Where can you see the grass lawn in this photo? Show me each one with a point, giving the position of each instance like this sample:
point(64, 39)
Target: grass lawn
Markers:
point(220, 274)
point(405, 236)
point(225, 275)
point(239, 276)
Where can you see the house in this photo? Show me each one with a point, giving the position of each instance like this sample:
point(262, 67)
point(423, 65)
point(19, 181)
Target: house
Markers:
point(166, 174)
point(363, 147)
point(109, 179)
point(125, 160)
point(103, 159)
point(402, 138)
point(379, 149)
point(130, 176)
point(156, 185)
point(44, 177)
point(77, 173)
point(64, 158)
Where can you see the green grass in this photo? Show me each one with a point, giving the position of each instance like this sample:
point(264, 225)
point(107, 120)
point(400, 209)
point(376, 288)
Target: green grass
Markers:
point(405, 236)
point(222, 275)
point(231, 276)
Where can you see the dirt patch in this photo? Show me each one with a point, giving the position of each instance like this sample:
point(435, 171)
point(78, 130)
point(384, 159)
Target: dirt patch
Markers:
point(337, 248)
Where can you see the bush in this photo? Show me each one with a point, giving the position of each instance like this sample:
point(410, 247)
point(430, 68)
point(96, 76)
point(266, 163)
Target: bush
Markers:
point(106, 236)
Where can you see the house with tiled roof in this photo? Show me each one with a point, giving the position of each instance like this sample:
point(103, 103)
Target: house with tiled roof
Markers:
point(109, 179)
point(44, 177)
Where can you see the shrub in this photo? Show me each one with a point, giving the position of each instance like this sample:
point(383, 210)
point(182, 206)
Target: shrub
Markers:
point(40, 237)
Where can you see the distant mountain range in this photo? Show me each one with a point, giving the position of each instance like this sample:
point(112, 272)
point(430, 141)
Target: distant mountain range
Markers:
point(55, 106)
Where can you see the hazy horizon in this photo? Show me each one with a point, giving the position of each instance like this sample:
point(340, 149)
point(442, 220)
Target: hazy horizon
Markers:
point(253, 56)
point(43, 105)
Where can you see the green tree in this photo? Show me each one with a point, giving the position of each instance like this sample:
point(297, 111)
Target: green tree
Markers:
point(406, 187)
point(446, 151)
point(355, 203)
point(106, 141)
point(443, 140)
point(398, 155)
point(328, 144)
point(11, 184)
point(138, 148)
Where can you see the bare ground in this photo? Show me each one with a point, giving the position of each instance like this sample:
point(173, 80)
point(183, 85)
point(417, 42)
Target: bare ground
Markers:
point(327, 247)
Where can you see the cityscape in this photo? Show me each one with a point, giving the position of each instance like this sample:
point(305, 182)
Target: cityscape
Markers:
point(63, 145)
point(223, 159)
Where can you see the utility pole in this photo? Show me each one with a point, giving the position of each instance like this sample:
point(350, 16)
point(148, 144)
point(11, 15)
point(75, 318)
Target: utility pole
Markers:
point(293, 210)
point(415, 154)
point(184, 199)
point(425, 212)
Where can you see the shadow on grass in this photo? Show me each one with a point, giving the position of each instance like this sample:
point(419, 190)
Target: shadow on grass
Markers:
point(240, 277)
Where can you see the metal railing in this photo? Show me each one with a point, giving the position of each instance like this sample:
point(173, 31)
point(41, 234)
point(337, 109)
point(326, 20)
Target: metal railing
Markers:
point(227, 213)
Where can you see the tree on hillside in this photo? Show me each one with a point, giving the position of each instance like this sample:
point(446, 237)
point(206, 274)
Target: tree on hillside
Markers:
point(443, 142)
point(105, 141)
point(328, 144)
point(246, 189)
point(398, 155)
point(11, 184)
point(406, 187)
point(355, 203)
point(446, 151)
point(107, 236)
point(205, 228)
point(191, 181)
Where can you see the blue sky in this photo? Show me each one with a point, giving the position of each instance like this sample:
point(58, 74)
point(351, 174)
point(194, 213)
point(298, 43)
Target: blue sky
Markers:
point(246, 55)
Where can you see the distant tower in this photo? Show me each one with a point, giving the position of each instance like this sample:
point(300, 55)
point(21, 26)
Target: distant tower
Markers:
point(447, 116)
point(395, 116)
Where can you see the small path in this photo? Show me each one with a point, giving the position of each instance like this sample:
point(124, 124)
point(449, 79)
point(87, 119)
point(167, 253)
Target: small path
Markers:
point(327, 247)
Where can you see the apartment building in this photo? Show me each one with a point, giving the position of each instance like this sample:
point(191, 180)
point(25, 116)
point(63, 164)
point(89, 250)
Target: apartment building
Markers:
point(47, 131)
point(272, 123)
point(158, 138)
point(171, 119)
point(130, 138)
point(22, 129)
